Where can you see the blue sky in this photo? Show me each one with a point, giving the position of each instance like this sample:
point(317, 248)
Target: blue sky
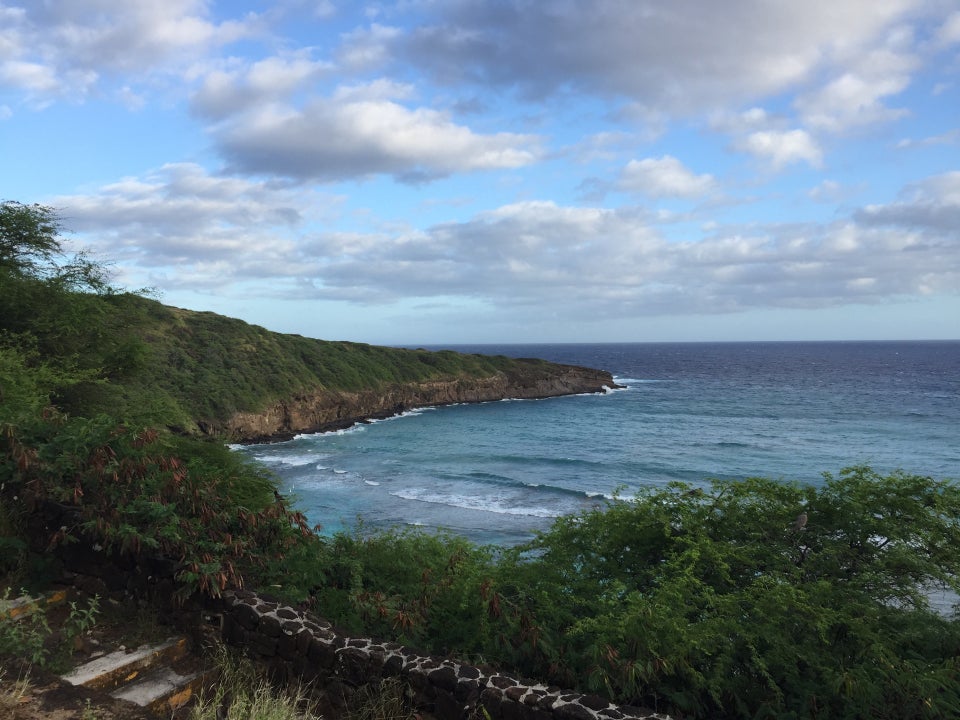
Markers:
point(503, 170)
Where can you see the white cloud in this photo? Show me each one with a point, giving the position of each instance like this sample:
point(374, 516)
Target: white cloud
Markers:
point(236, 86)
point(606, 264)
point(664, 177)
point(338, 138)
point(949, 32)
point(951, 137)
point(63, 48)
point(29, 76)
point(855, 97)
point(931, 207)
point(183, 228)
point(783, 148)
point(367, 49)
point(828, 191)
point(678, 57)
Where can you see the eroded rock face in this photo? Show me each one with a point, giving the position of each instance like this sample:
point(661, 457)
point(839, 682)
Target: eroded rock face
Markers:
point(334, 409)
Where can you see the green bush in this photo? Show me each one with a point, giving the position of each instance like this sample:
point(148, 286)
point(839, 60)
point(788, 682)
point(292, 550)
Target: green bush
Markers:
point(140, 492)
point(27, 637)
point(700, 603)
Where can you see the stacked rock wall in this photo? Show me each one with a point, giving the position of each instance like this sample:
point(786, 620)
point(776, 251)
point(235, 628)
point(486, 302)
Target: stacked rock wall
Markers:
point(295, 644)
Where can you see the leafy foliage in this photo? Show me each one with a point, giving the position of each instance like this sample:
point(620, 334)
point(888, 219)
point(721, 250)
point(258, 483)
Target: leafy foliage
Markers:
point(145, 493)
point(27, 637)
point(702, 603)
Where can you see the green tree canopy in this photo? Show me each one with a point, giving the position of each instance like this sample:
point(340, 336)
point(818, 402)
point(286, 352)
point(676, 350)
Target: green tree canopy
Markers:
point(29, 238)
point(31, 247)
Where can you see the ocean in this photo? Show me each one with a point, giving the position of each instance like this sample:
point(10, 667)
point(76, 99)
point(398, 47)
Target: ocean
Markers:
point(498, 472)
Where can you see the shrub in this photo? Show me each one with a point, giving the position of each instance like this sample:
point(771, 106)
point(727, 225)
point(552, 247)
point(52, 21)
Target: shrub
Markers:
point(141, 492)
point(703, 603)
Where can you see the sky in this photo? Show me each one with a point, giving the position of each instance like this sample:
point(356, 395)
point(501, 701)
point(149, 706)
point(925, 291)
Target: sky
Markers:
point(493, 171)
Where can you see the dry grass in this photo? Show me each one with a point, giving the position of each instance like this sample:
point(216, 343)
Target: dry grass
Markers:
point(385, 701)
point(13, 691)
point(241, 694)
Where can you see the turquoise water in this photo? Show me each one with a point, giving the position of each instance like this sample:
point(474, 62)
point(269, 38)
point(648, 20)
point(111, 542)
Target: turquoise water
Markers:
point(497, 472)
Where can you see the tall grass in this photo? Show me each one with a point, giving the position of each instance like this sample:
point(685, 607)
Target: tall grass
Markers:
point(241, 693)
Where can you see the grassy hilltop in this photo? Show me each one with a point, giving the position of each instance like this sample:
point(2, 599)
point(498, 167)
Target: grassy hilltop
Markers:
point(744, 599)
point(101, 350)
point(164, 365)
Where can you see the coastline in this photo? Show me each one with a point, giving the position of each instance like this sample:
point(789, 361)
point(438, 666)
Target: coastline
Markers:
point(329, 410)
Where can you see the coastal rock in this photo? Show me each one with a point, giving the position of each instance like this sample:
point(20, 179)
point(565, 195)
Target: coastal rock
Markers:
point(325, 409)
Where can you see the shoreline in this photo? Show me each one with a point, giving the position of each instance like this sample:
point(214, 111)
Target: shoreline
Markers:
point(332, 410)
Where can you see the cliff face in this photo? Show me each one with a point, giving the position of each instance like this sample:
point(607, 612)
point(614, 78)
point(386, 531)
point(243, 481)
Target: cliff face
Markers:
point(333, 409)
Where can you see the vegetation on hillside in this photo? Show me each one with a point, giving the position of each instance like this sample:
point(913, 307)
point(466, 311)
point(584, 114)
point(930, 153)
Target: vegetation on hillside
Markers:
point(716, 603)
point(131, 356)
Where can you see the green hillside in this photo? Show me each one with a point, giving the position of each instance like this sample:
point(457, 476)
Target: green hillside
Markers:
point(172, 366)
point(101, 350)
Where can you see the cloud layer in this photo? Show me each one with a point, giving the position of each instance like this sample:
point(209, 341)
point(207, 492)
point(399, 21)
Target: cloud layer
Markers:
point(608, 160)
point(585, 262)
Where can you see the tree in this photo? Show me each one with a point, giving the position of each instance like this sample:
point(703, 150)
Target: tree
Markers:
point(29, 238)
point(720, 604)
point(31, 248)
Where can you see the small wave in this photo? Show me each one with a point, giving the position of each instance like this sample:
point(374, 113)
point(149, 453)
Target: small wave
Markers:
point(634, 381)
point(405, 414)
point(372, 482)
point(551, 461)
point(507, 482)
point(732, 444)
point(499, 506)
point(289, 460)
point(359, 427)
point(340, 472)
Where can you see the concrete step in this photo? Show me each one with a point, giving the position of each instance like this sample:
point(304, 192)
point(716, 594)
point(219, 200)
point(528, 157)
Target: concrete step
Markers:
point(122, 666)
point(162, 690)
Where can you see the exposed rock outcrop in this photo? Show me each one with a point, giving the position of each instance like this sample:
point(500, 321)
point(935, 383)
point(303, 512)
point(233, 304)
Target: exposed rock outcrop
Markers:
point(326, 409)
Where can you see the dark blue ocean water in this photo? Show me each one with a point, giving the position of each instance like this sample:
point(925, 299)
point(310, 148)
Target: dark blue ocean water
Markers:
point(497, 472)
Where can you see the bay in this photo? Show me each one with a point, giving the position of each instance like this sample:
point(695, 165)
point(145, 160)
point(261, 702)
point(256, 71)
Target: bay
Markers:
point(498, 472)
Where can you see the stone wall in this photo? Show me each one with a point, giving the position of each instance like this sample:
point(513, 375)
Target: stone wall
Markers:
point(296, 644)
point(293, 644)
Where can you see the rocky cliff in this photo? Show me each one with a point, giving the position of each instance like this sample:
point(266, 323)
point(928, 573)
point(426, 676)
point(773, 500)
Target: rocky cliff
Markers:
point(326, 409)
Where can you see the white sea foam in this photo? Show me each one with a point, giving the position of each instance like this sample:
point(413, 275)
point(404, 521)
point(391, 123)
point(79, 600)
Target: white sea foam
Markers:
point(285, 459)
point(360, 427)
point(414, 412)
point(498, 505)
point(372, 482)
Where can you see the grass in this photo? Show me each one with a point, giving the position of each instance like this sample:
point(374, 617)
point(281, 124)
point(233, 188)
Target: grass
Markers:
point(13, 691)
point(386, 701)
point(240, 693)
